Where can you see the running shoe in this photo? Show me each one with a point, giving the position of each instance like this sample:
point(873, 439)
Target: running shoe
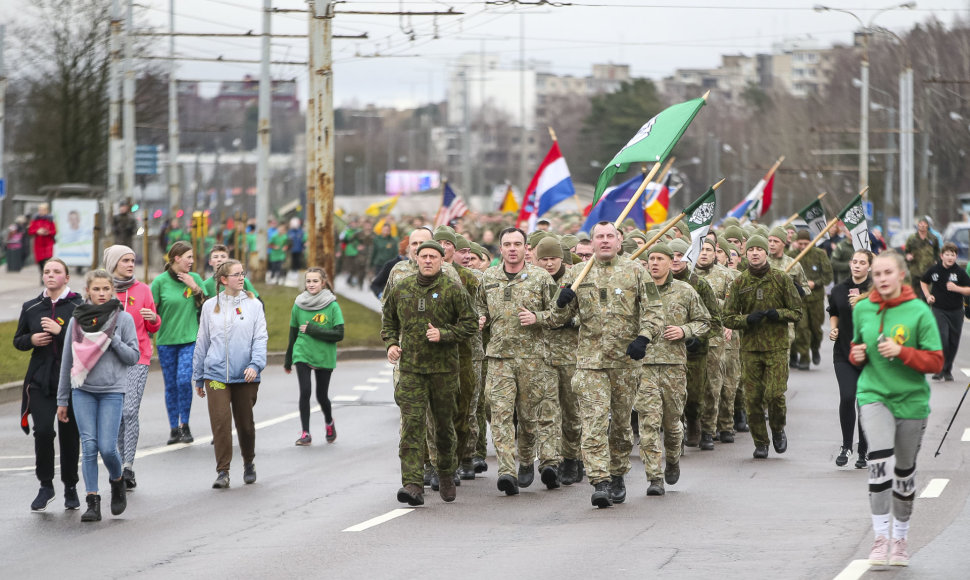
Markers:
point(331, 432)
point(899, 555)
point(44, 497)
point(304, 439)
point(843, 459)
point(879, 555)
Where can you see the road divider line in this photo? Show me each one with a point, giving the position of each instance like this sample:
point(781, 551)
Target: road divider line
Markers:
point(854, 570)
point(208, 438)
point(386, 373)
point(365, 388)
point(966, 372)
point(380, 520)
point(934, 488)
point(966, 435)
point(346, 398)
point(379, 380)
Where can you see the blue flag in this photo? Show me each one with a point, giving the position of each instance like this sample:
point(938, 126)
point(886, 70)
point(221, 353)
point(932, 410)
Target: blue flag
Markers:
point(612, 203)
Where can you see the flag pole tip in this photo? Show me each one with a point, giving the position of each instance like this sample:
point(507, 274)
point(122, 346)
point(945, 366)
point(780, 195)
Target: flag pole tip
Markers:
point(781, 159)
point(707, 94)
point(718, 184)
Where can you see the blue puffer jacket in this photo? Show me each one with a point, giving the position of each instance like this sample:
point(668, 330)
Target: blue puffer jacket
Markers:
point(231, 340)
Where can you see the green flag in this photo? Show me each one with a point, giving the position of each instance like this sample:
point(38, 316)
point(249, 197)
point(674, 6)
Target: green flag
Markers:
point(814, 216)
point(699, 216)
point(854, 218)
point(652, 143)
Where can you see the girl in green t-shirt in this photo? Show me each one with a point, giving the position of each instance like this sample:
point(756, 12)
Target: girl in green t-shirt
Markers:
point(316, 326)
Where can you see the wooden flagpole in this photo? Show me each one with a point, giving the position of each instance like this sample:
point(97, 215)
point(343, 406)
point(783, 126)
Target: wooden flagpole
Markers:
point(828, 226)
point(665, 229)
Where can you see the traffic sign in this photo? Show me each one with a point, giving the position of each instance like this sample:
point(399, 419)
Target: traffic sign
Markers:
point(146, 160)
point(3, 188)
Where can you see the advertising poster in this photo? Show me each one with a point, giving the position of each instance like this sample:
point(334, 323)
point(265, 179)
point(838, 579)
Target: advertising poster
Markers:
point(75, 230)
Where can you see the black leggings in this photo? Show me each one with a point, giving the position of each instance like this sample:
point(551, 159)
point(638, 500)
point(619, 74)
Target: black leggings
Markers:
point(848, 376)
point(323, 386)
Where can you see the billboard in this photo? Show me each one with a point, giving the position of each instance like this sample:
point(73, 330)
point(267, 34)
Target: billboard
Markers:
point(74, 219)
point(406, 181)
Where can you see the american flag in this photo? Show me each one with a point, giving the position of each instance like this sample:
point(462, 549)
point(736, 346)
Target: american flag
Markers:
point(451, 207)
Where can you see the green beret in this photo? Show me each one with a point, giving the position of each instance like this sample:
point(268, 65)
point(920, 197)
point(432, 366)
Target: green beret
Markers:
point(660, 248)
point(679, 246)
point(803, 235)
point(433, 245)
point(780, 233)
point(547, 247)
point(463, 243)
point(734, 232)
point(757, 241)
point(629, 246)
point(447, 234)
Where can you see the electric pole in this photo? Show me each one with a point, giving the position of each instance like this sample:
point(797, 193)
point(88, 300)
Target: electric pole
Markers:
point(320, 145)
point(174, 175)
point(263, 144)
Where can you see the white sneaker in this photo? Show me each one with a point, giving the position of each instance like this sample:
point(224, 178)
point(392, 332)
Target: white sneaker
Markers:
point(879, 555)
point(899, 556)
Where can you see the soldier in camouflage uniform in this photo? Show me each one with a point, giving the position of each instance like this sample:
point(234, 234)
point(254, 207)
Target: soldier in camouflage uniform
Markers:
point(425, 316)
point(514, 304)
point(701, 396)
point(761, 302)
point(778, 259)
point(620, 313)
point(808, 331)
point(922, 250)
point(563, 342)
point(662, 392)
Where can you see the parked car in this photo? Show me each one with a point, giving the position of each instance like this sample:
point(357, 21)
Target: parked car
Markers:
point(897, 240)
point(959, 234)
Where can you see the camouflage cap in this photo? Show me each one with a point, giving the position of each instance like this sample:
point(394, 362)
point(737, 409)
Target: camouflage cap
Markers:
point(447, 234)
point(547, 247)
point(679, 246)
point(735, 233)
point(660, 248)
point(463, 243)
point(780, 233)
point(433, 245)
point(757, 241)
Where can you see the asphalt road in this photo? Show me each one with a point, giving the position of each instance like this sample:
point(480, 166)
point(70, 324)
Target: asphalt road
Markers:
point(791, 516)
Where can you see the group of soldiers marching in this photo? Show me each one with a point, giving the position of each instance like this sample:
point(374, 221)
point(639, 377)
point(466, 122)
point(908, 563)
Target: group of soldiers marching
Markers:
point(692, 353)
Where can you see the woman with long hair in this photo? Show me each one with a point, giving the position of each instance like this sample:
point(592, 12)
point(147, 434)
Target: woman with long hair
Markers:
point(178, 297)
point(229, 355)
point(136, 299)
point(842, 299)
point(316, 326)
point(94, 372)
point(896, 342)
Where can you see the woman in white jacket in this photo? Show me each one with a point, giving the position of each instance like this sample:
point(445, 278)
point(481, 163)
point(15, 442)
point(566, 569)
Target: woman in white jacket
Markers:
point(229, 355)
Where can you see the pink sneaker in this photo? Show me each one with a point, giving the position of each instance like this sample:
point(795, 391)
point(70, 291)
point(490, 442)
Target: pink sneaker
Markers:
point(879, 555)
point(304, 439)
point(899, 556)
point(331, 432)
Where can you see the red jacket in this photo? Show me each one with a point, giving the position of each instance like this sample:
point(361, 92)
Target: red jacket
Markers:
point(43, 244)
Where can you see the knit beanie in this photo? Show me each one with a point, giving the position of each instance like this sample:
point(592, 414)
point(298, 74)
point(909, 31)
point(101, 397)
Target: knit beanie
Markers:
point(734, 233)
point(803, 235)
point(547, 247)
point(757, 241)
point(780, 233)
point(536, 237)
point(433, 245)
point(463, 243)
point(445, 233)
point(660, 248)
point(112, 255)
point(679, 246)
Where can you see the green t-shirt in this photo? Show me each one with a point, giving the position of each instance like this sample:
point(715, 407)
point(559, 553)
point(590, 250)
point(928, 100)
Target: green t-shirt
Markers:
point(312, 351)
point(277, 247)
point(209, 287)
point(903, 390)
point(176, 305)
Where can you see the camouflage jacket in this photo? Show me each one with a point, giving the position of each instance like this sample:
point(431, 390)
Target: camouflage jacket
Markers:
point(925, 253)
point(402, 270)
point(719, 277)
point(704, 290)
point(683, 307)
point(841, 255)
point(499, 302)
point(748, 293)
point(797, 273)
point(563, 341)
point(473, 346)
point(818, 269)
point(616, 302)
point(410, 307)
point(735, 342)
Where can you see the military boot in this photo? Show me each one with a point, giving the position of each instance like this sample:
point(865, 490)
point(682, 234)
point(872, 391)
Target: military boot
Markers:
point(428, 474)
point(693, 433)
point(601, 494)
point(726, 437)
point(780, 441)
point(448, 490)
point(550, 477)
point(656, 487)
point(467, 470)
point(569, 474)
point(672, 473)
point(707, 442)
point(617, 489)
point(411, 494)
point(741, 421)
point(816, 357)
point(803, 363)
point(508, 484)
point(435, 482)
point(793, 359)
point(760, 452)
point(480, 465)
point(527, 474)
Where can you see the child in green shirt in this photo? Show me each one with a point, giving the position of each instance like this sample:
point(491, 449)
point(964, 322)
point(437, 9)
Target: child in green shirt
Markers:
point(217, 257)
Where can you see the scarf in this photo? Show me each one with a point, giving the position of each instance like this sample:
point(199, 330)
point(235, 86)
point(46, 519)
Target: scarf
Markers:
point(314, 302)
point(698, 266)
point(427, 280)
point(905, 295)
point(94, 327)
point(123, 284)
point(760, 271)
point(558, 275)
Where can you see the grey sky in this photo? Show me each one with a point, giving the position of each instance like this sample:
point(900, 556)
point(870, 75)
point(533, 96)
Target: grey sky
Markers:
point(653, 36)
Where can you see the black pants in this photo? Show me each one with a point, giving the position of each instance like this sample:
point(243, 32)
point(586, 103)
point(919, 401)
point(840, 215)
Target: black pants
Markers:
point(43, 408)
point(847, 375)
point(323, 387)
point(950, 323)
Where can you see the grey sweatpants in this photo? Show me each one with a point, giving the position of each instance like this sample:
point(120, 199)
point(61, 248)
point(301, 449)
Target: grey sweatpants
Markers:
point(893, 446)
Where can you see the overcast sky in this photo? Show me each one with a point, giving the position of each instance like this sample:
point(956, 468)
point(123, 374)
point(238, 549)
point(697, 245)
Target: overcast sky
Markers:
point(653, 36)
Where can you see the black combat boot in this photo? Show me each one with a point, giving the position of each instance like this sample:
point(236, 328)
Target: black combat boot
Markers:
point(780, 441)
point(617, 489)
point(672, 473)
point(466, 470)
point(94, 508)
point(726, 437)
point(693, 432)
point(741, 421)
point(601, 494)
point(550, 476)
point(508, 485)
point(570, 471)
point(527, 474)
point(119, 498)
point(760, 452)
point(480, 465)
point(707, 442)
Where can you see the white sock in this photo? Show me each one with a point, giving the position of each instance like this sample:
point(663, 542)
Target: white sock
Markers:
point(880, 525)
point(900, 529)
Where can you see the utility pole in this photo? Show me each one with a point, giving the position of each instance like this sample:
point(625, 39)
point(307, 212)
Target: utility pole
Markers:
point(907, 175)
point(523, 155)
point(466, 137)
point(174, 175)
point(320, 145)
point(263, 143)
point(864, 120)
point(128, 126)
point(114, 104)
point(3, 97)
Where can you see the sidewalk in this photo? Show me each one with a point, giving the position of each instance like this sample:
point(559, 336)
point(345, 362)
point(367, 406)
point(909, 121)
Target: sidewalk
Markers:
point(363, 297)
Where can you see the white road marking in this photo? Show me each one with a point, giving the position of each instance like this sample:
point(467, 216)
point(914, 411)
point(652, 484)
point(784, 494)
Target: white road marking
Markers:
point(28, 468)
point(854, 570)
point(966, 372)
point(966, 435)
point(380, 520)
point(4, 457)
point(378, 380)
point(365, 388)
point(346, 398)
point(208, 438)
point(386, 373)
point(934, 488)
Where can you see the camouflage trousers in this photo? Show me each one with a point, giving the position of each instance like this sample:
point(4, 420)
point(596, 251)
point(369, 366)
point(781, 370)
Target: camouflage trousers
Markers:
point(764, 376)
point(808, 330)
point(525, 388)
point(468, 449)
point(606, 394)
point(696, 387)
point(712, 389)
point(467, 402)
point(729, 389)
point(569, 404)
point(482, 416)
point(660, 405)
point(414, 393)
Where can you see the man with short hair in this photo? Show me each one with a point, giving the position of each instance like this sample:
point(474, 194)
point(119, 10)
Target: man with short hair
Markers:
point(945, 284)
point(124, 225)
point(584, 249)
point(620, 313)
point(922, 249)
point(217, 257)
point(818, 270)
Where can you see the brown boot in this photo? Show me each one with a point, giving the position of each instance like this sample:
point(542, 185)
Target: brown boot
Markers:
point(447, 489)
point(411, 494)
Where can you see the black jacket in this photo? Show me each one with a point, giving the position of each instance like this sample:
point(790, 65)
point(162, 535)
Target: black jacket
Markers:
point(44, 369)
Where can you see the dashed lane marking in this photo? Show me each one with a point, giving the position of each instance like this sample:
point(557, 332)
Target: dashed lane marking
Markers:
point(378, 380)
point(386, 373)
point(854, 570)
point(346, 398)
point(966, 435)
point(966, 372)
point(365, 388)
point(934, 488)
point(379, 520)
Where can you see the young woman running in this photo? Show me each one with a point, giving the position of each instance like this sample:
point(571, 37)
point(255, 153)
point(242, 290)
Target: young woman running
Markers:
point(229, 355)
point(896, 342)
point(178, 296)
point(136, 299)
point(102, 347)
point(843, 298)
point(316, 326)
point(41, 331)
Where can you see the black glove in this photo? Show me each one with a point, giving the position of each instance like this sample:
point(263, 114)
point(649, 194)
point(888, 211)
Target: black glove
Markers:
point(638, 348)
point(801, 292)
point(772, 315)
point(755, 317)
point(566, 295)
point(693, 344)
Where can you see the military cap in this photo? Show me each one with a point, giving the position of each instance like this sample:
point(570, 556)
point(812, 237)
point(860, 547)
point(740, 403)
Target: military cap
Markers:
point(779, 233)
point(679, 245)
point(433, 245)
point(660, 248)
point(629, 246)
point(463, 243)
point(547, 247)
point(803, 235)
point(477, 250)
point(684, 228)
point(637, 234)
point(447, 234)
point(536, 237)
point(734, 232)
point(757, 241)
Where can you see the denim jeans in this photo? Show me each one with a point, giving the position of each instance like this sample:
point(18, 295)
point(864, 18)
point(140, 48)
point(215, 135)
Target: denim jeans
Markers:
point(98, 420)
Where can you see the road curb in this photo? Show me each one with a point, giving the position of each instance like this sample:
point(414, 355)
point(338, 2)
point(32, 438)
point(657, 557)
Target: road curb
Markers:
point(10, 392)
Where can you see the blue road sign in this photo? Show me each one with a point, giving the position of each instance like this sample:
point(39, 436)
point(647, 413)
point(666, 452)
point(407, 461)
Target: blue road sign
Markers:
point(146, 159)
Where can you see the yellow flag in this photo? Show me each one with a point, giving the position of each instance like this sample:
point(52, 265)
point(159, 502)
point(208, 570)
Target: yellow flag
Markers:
point(509, 204)
point(381, 208)
point(380, 224)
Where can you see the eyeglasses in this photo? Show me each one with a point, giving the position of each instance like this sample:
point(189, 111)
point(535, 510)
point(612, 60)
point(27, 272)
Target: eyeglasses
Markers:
point(237, 275)
point(584, 256)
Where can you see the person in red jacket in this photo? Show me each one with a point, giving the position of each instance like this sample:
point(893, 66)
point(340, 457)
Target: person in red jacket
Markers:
point(43, 230)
